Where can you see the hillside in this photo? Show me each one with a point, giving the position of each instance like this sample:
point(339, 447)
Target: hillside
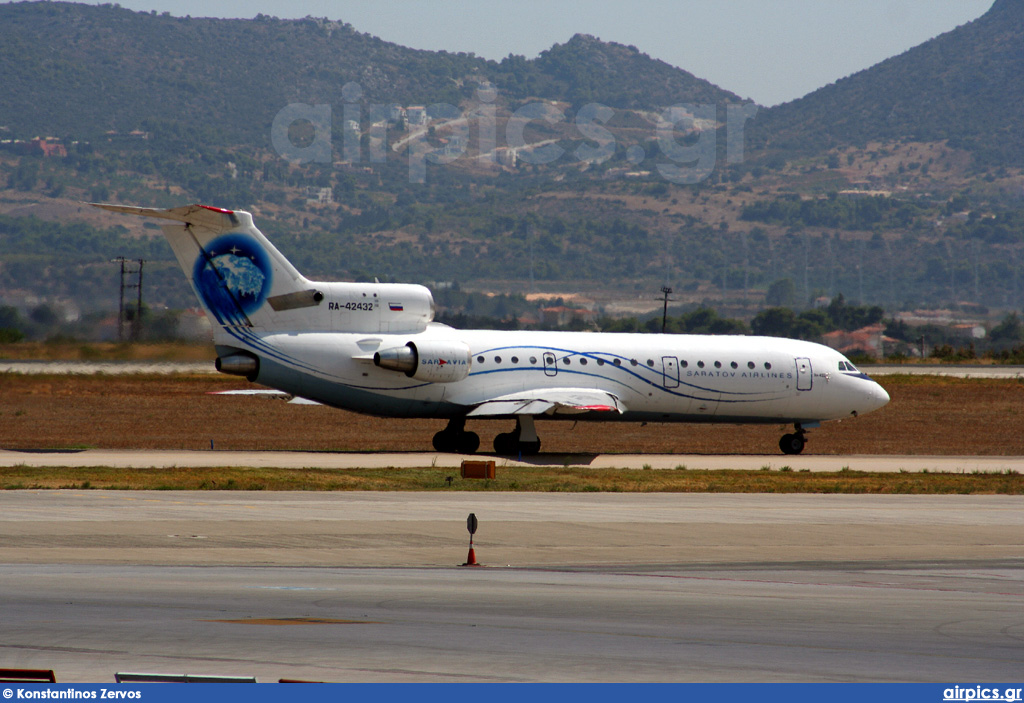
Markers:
point(965, 86)
point(840, 193)
point(81, 70)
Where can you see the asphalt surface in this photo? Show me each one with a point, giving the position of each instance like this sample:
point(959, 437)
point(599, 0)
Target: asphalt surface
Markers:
point(580, 587)
point(139, 459)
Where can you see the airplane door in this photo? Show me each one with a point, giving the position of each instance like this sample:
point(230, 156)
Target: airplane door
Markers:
point(550, 364)
point(670, 371)
point(804, 378)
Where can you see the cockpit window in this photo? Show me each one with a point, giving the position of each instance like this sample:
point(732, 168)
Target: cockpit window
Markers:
point(847, 366)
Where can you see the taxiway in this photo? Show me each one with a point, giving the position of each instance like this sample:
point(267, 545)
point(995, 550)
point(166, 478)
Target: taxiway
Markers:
point(579, 587)
point(160, 459)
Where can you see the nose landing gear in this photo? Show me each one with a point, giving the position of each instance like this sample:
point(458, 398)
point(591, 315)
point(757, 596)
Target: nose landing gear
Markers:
point(793, 443)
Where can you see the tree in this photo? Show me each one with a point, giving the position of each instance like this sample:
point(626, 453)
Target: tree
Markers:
point(10, 325)
point(781, 293)
point(1008, 333)
point(774, 322)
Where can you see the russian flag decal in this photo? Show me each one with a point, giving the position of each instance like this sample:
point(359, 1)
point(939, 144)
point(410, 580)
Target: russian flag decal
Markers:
point(396, 307)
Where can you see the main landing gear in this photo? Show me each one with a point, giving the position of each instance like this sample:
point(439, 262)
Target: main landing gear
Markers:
point(522, 440)
point(455, 439)
point(793, 443)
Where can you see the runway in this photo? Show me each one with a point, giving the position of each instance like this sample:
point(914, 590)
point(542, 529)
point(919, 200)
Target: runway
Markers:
point(579, 587)
point(349, 460)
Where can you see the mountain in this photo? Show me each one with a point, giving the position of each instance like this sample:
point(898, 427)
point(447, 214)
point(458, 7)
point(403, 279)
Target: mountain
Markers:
point(587, 69)
point(965, 86)
point(81, 70)
point(73, 69)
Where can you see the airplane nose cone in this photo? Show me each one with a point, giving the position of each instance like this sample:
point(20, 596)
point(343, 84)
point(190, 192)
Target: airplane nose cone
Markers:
point(877, 397)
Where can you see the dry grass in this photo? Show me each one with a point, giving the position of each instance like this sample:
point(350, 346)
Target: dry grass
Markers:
point(543, 480)
point(927, 415)
point(107, 351)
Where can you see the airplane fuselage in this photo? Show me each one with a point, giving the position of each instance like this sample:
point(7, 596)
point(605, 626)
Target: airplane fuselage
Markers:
point(666, 378)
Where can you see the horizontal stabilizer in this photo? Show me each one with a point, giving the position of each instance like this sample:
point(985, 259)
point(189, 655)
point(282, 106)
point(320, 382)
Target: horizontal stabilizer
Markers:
point(214, 219)
point(550, 401)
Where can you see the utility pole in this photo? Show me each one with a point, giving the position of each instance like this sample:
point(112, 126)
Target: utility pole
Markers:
point(120, 305)
point(137, 321)
point(530, 237)
point(665, 292)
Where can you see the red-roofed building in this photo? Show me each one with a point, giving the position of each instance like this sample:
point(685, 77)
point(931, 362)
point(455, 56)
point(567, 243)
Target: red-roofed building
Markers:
point(869, 340)
point(49, 147)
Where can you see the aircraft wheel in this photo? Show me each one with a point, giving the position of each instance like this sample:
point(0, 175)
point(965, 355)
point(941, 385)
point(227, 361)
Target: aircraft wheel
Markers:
point(792, 443)
point(445, 441)
point(452, 442)
point(506, 443)
point(468, 442)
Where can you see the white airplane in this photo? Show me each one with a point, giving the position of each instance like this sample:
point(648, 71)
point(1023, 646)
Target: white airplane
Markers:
point(374, 348)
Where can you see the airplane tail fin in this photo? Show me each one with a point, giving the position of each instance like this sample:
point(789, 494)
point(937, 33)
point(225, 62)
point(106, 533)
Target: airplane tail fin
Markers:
point(245, 283)
point(232, 266)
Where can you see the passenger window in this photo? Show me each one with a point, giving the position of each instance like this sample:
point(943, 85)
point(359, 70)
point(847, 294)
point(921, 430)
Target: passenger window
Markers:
point(497, 360)
point(617, 362)
point(650, 362)
point(700, 364)
point(565, 360)
point(600, 362)
point(767, 365)
point(533, 360)
point(480, 360)
point(685, 363)
point(718, 364)
point(633, 362)
point(750, 364)
point(515, 359)
point(583, 362)
point(734, 365)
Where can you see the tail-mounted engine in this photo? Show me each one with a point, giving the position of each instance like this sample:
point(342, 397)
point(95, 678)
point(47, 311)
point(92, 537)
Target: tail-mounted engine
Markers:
point(433, 361)
point(239, 364)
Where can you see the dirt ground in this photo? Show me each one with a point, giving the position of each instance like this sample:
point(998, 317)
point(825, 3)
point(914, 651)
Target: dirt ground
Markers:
point(927, 415)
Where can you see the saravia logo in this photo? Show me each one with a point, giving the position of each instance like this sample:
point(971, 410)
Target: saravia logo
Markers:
point(441, 362)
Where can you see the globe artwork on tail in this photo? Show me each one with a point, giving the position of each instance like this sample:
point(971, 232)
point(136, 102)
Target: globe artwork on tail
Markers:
point(233, 277)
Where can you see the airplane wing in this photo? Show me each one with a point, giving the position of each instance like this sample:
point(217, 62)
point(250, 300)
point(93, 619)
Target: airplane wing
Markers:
point(550, 401)
point(292, 399)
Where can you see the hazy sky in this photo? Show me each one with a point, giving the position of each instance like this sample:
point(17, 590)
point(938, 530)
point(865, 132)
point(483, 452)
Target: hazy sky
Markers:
point(770, 51)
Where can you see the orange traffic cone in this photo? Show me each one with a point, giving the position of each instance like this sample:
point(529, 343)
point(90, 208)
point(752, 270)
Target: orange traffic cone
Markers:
point(471, 559)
